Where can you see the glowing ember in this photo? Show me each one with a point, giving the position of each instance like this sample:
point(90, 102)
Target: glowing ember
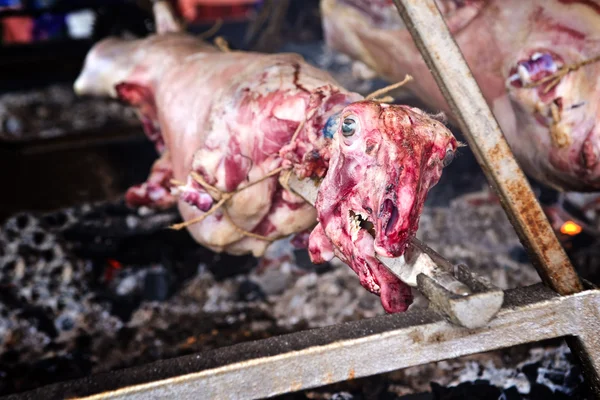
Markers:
point(114, 264)
point(570, 228)
point(110, 271)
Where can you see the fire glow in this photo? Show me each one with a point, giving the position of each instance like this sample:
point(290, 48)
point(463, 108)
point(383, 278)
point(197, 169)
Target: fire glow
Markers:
point(570, 228)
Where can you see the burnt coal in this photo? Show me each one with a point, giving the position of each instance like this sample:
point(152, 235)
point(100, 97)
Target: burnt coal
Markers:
point(250, 291)
point(156, 284)
point(519, 254)
point(342, 396)
point(98, 287)
point(511, 393)
point(100, 307)
point(54, 111)
point(477, 390)
point(58, 220)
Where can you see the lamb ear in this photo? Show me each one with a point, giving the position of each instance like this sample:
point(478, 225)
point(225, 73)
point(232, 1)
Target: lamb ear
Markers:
point(133, 94)
point(165, 19)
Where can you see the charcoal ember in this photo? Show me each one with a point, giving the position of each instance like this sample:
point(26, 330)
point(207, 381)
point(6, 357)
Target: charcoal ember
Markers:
point(586, 259)
point(42, 285)
point(510, 394)
point(554, 370)
point(224, 266)
point(519, 254)
point(19, 377)
point(66, 321)
point(12, 269)
point(10, 249)
point(181, 325)
point(5, 325)
point(60, 220)
point(321, 300)
point(221, 298)
point(15, 226)
point(165, 297)
point(127, 282)
point(12, 125)
point(132, 285)
point(478, 234)
point(157, 284)
point(117, 220)
point(38, 239)
point(342, 396)
point(97, 318)
point(249, 291)
point(284, 254)
point(302, 260)
point(539, 392)
point(274, 280)
point(197, 288)
point(57, 263)
point(56, 111)
point(21, 222)
point(478, 390)
point(546, 371)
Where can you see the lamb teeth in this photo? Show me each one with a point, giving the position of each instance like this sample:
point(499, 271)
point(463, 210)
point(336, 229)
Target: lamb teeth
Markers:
point(523, 74)
point(355, 221)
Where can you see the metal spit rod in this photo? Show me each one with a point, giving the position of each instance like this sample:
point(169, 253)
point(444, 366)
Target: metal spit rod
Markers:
point(478, 124)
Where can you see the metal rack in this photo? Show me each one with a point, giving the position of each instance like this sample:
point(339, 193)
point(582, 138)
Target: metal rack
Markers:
point(562, 307)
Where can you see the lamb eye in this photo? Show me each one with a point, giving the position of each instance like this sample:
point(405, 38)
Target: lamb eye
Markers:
point(448, 158)
point(348, 127)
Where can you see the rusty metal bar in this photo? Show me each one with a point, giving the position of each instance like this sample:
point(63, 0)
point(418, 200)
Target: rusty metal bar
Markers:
point(478, 124)
point(343, 352)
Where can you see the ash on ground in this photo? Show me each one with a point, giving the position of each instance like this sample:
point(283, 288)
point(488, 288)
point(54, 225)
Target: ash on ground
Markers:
point(101, 287)
point(546, 371)
point(55, 111)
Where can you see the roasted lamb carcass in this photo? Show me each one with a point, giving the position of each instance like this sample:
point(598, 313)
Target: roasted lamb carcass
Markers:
point(230, 126)
point(536, 62)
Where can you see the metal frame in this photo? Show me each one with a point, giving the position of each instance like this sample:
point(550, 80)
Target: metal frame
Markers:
point(318, 357)
point(342, 352)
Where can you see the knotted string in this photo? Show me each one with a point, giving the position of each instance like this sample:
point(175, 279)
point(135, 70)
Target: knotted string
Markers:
point(222, 197)
point(555, 78)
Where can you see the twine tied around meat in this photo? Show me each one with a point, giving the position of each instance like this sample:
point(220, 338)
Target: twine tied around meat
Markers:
point(388, 99)
point(557, 134)
point(554, 79)
point(222, 197)
point(212, 30)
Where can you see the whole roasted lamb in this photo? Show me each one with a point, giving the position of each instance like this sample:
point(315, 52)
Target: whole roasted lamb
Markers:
point(536, 62)
point(231, 126)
